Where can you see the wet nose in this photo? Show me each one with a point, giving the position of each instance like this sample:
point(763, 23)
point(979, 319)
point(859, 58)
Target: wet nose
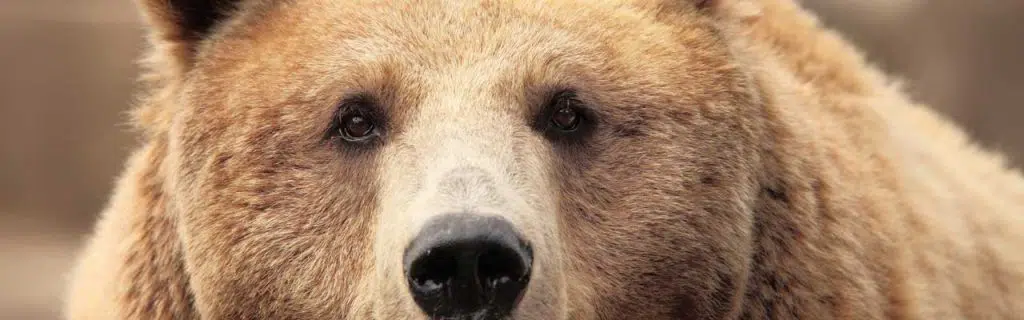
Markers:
point(467, 264)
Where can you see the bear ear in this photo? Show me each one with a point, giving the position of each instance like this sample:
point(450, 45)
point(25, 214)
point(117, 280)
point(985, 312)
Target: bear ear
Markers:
point(675, 4)
point(179, 25)
point(742, 9)
point(704, 4)
point(721, 8)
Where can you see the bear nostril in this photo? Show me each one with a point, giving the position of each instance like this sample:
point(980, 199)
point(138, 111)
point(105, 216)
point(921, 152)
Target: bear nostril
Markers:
point(432, 273)
point(466, 264)
point(499, 266)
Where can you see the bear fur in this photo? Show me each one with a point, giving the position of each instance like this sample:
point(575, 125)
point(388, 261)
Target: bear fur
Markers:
point(744, 162)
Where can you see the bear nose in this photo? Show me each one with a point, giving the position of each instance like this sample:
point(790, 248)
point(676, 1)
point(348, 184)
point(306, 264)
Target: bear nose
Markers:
point(466, 264)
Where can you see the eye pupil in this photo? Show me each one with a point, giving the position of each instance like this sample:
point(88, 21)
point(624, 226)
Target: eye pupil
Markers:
point(356, 126)
point(566, 119)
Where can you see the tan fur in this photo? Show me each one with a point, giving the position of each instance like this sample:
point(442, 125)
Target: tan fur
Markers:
point(746, 163)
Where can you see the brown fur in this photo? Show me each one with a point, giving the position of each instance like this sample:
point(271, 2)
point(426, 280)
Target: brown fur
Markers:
point(747, 163)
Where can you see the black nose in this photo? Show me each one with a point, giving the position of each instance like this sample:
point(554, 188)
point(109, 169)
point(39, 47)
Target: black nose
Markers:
point(468, 265)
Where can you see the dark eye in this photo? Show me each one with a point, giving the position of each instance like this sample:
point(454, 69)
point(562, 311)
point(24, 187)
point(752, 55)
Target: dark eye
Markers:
point(566, 118)
point(354, 126)
point(566, 113)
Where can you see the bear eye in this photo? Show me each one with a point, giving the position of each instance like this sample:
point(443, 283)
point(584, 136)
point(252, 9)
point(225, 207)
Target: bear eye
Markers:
point(564, 115)
point(357, 120)
point(566, 119)
point(355, 126)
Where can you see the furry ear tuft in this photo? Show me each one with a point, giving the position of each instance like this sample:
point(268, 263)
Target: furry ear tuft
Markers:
point(176, 29)
point(687, 5)
point(186, 20)
point(179, 25)
point(703, 4)
point(738, 9)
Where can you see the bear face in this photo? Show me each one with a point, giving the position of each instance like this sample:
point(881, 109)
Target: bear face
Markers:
point(314, 141)
point(647, 159)
point(601, 159)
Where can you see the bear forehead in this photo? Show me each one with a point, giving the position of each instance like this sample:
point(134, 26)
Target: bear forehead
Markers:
point(310, 54)
point(423, 40)
point(449, 23)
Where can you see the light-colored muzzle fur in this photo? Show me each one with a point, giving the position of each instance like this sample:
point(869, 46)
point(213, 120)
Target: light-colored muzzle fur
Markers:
point(464, 152)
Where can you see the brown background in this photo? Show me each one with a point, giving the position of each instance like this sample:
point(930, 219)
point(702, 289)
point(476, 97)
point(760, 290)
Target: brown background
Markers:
point(68, 72)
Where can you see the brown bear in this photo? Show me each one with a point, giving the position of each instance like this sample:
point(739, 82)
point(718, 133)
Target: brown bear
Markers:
point(600, 159)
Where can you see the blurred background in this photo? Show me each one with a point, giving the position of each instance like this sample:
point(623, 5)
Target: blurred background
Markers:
point(69, 73)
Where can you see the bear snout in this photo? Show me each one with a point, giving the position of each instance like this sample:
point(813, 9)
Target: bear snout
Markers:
point(468, 265)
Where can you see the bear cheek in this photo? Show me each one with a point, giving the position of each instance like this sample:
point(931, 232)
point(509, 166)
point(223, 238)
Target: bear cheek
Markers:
point(253, 238)
point(668, 241)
